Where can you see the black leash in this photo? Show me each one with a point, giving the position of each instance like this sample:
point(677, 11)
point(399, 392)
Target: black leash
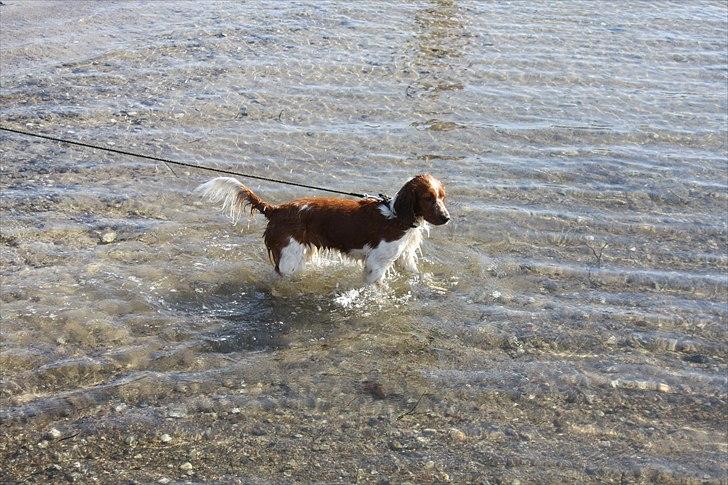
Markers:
point(190, 165)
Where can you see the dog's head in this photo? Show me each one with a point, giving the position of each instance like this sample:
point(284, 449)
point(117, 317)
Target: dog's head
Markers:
point(423, 197)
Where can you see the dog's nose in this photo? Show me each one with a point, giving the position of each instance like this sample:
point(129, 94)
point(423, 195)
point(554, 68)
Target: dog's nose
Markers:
point(446, 219)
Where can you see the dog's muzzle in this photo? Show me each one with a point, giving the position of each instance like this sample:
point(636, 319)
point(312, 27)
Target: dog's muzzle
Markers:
point(442, 214)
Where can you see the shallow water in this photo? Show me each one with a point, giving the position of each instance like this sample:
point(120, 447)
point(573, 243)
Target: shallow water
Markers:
point(569, 324)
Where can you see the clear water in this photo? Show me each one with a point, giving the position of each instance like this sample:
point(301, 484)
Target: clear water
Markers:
point(558, 128)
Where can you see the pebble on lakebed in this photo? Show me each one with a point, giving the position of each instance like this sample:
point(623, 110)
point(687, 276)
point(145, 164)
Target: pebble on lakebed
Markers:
point(457, 435)
point(108, 237)
point(186, 467)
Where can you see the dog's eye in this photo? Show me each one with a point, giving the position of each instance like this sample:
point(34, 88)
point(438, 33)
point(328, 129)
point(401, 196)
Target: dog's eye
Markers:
point(428, 197)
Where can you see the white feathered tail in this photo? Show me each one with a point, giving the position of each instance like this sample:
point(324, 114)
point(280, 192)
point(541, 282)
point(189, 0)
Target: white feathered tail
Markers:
point(233, 195)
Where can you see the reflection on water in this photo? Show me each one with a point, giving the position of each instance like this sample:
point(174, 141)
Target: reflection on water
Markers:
point(439, 45)
point(569, 324)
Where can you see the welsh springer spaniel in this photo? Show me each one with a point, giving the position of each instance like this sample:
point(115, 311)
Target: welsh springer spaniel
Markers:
point(379, 233)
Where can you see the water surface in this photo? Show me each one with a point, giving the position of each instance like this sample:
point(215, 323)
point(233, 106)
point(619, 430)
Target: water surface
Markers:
point(569, 324)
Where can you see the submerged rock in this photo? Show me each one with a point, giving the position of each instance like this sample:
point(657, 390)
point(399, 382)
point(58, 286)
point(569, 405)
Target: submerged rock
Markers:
point(457, 435)
point(108, 237)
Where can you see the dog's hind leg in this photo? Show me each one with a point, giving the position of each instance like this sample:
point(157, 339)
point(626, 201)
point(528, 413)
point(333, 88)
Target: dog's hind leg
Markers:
point(292, 258)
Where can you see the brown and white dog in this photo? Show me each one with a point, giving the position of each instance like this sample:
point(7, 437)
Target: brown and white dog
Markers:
point(370, 230)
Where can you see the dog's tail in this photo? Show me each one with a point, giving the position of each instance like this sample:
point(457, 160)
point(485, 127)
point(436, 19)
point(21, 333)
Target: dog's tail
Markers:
point(234, 197)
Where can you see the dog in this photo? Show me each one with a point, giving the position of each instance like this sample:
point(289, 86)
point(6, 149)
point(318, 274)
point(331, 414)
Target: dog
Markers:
point(378, 232)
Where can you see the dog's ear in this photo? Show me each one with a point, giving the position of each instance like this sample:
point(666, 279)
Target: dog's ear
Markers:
point(405, 205)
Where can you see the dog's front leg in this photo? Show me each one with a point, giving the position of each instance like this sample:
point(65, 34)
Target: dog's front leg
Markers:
point(380, 259)
point(375, 269)
point(408, 260)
